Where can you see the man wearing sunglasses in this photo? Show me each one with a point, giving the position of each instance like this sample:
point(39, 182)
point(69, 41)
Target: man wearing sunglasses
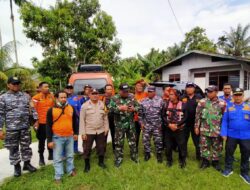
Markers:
point(235, 131)
point(15, 111)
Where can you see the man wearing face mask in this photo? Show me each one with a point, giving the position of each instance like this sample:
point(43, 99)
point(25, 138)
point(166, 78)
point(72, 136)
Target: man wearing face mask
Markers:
point(15, 112)
point(62, 130)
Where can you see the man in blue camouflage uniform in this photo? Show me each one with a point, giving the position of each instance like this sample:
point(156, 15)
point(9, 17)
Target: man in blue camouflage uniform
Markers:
point(150, 119)
point(208, 118)
point(76, 102)
point(16, 111)
point(235, 130)
point(124, 105)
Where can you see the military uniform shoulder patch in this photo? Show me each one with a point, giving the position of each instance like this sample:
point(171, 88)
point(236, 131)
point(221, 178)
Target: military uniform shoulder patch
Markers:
point(184, 100)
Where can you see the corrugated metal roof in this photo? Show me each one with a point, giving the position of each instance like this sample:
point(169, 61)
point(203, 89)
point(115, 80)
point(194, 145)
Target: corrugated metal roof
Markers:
point(201, 53)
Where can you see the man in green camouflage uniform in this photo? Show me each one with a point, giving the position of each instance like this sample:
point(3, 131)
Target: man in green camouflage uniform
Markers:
point(123, 105)
point(207, 123)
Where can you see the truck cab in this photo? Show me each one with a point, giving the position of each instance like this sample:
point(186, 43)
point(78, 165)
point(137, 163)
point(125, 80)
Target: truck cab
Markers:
point(90, 74)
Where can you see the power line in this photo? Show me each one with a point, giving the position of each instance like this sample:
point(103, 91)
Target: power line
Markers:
point(176, 20)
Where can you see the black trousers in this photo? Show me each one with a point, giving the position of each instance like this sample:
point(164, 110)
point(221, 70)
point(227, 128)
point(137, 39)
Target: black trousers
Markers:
point(178, 137)
point(100, 141)
point(137, 133)
point(196, 138)
point(112, 129)
point(231, 146)
point(41, 136)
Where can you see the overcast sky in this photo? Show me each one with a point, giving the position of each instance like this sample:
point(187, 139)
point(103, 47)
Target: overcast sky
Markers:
point(143, 24)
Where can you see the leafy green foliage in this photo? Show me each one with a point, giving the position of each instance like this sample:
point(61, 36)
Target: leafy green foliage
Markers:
point(71, 32)
point(196, 39)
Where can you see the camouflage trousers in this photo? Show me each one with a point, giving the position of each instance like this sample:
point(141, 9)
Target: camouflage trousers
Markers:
point(119, 143)
point(211, 147)
point(17, 138)
point(156, 132)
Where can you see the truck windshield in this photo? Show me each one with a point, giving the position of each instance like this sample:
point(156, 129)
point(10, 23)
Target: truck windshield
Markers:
point(99, 84)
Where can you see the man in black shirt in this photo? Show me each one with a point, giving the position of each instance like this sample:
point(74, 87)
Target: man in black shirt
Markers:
point(191, 100)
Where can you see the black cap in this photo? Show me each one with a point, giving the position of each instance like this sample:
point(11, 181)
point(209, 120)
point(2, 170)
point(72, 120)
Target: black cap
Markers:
point(190, 84)
point(211, 88)
point(94, 91)
point(87, 86)
point(124, 87)
point(69, 86)
point(13, 80)
point(151, 89)
point(239, 91)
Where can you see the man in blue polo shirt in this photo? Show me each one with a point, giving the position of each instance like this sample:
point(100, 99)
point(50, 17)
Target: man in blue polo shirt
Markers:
point(227, 90)
point(235, 131)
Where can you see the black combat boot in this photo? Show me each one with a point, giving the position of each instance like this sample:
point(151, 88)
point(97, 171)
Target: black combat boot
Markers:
point(101, 162)
point(198, 156)
point(17, 170)
point(135, 159)
point(204, 164)
point(41, 160)
point(118, 163)
point(28, 167)
point(216, 165)
point(169, 163)
point(147, 156)
point(87, 166)
point(159, 158)
point(182, 163)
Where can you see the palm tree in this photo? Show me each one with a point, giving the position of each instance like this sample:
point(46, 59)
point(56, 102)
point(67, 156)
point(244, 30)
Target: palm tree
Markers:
point(5, 59)
point(236, 42)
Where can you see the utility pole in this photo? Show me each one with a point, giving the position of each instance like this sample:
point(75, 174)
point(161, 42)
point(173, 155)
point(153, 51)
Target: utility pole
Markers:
point(13, 30)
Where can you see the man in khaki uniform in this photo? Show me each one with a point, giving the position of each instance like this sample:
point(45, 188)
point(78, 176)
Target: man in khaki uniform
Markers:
point(94, 126)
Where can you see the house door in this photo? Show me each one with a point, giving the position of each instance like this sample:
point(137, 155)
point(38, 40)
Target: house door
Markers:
point(200, 80)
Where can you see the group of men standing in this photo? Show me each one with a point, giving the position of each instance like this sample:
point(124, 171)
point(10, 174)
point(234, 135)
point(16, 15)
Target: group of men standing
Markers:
point(169, 119)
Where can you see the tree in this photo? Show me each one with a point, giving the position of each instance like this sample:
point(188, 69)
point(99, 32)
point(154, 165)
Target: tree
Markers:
point(174, 51)
point(70, 33)
point(197, 39)
point(236, 42)
point(8, 68)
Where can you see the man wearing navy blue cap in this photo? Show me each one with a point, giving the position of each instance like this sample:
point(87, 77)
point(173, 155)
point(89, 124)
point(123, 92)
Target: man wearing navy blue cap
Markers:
point(76, 102)
point(235, 131)
point(191, 100)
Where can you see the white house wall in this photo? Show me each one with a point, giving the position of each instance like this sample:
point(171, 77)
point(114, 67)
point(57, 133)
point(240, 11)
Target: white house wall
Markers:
point(193, 62)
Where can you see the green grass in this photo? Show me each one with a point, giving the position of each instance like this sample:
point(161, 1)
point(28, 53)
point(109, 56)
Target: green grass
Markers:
point(33, 135)
point(145, 175)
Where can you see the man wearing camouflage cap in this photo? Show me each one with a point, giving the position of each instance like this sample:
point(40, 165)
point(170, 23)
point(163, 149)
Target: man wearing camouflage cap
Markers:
point(208, 117)
point(150, 113)
point(124, 105)
point(16, 111)
point(235, 130)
